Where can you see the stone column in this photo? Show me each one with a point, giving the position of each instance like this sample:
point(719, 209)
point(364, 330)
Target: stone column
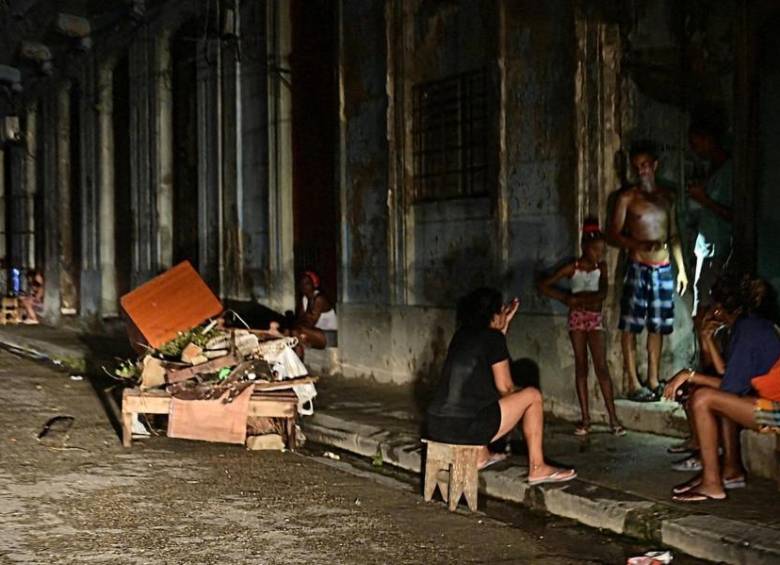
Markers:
point(163, 170)
point(30, 184)
point(68, 293)
point(281, 264)
point(51, 211)
point(144, 237)
point(89, 281)
point(232, 264)
point(105, 156)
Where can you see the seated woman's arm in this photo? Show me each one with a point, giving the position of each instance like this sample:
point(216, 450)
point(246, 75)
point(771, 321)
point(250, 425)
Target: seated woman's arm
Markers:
point(309, 318)
point(502, 377)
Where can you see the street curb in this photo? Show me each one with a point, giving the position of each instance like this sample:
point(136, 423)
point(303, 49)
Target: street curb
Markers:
point(702, 536)
point(71, 357)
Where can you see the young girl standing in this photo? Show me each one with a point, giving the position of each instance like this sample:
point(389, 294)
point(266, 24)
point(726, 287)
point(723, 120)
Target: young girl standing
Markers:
point(588, 276)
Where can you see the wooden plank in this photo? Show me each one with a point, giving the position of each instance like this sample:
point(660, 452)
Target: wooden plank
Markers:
point(212, 366)
point(287, 384)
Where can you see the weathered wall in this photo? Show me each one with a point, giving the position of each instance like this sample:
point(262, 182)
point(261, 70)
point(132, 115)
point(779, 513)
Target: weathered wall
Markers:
point(540, 145)
point(254, 145)
point(364, 164)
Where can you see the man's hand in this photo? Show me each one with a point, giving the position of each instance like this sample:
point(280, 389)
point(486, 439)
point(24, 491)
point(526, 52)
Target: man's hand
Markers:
point(670, 390)
point(682, 282)
point(697, 192)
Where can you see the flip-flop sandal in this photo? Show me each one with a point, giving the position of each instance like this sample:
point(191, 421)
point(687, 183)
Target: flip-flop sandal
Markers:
point(618, 431)
point(642, 394)
point(582, 430)
point(681, 448)
point(492, 460)
point(696, 496)
point(560, 476)
point(686, 486)
point(736, 482)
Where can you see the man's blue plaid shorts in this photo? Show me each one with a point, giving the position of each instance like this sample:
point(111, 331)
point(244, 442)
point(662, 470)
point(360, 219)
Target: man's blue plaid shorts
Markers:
point(648, 299)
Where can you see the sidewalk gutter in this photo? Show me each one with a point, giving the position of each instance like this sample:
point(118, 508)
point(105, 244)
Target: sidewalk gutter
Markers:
point(703, 536)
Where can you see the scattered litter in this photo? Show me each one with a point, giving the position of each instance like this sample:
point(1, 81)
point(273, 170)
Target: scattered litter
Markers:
point(139, 430)
point(358, 502)
point(57, 362)
point(331, 455)
point(76, 378)
point(56, 425)
point(651, 558)
point(378, 460)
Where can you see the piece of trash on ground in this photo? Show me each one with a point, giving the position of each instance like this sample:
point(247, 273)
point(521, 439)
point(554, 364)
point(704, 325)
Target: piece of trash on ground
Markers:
point(331, 455)
point(651, 558)
point(76, 378)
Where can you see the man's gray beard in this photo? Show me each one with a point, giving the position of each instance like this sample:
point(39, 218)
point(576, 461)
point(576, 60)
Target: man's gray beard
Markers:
point(646, 183)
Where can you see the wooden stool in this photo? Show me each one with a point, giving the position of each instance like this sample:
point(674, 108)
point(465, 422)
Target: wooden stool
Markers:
point(461, 463)
point(10, 312)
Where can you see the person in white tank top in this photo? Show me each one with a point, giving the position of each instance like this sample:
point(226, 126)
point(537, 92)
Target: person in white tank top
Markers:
point(316, 322)
point(589, 281)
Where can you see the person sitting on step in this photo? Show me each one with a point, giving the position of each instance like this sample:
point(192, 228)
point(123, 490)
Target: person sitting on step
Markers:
point(720, 405)
point(32, 300)
point(476, 402)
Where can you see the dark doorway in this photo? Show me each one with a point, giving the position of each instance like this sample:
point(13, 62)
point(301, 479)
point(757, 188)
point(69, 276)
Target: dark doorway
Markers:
point(314, 140)
point(185, 144)
point(123, 232)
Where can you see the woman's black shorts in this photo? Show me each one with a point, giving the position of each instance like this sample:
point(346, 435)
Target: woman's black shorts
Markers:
point(479, 430)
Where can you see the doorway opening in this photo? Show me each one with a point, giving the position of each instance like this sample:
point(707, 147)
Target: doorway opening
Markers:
point(123, 232)
point(185, 144)
point(314, 140)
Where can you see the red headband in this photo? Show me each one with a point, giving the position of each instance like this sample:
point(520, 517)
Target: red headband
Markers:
point(590, 228)
point(315, 279)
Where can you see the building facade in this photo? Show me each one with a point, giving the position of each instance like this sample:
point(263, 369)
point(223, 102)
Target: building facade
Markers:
point(409, 150)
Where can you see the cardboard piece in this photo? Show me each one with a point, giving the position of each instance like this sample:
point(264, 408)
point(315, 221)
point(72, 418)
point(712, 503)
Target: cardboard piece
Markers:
point(173, 302)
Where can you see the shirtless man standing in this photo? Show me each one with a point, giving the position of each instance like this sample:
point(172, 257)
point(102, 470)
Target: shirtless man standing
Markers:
point(644, 223)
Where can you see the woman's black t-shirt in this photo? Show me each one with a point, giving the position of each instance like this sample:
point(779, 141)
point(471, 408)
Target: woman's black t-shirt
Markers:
point(467, 384)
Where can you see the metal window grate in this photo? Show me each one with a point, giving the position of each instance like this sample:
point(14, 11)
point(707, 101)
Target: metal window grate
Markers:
point(450, 137)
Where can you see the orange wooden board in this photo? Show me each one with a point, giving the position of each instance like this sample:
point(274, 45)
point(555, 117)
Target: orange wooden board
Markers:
point(172, 302)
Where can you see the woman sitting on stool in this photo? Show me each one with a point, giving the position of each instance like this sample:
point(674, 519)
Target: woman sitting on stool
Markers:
point(476, 402)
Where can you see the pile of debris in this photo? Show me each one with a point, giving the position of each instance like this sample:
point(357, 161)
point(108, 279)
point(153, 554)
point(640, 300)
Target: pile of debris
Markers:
point(187, 350)
point(209, 361)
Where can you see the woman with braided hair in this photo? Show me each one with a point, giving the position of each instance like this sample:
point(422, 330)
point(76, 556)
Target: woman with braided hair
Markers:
point(737, 396)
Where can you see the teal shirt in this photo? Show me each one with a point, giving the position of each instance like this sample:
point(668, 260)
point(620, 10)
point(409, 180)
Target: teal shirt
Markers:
point(714, 238)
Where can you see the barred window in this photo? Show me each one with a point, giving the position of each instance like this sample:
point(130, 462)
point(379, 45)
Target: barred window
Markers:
point(451, 137)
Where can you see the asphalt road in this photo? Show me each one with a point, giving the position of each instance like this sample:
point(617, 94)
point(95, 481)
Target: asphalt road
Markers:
point(76, 496)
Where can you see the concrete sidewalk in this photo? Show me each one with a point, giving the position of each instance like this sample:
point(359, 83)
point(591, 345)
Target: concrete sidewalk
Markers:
point(623, 486)
point(624, 483)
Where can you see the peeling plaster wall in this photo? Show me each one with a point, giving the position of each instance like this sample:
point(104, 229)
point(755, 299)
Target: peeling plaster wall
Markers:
point(449, 252)
point(364, 172)
point(541, 173)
